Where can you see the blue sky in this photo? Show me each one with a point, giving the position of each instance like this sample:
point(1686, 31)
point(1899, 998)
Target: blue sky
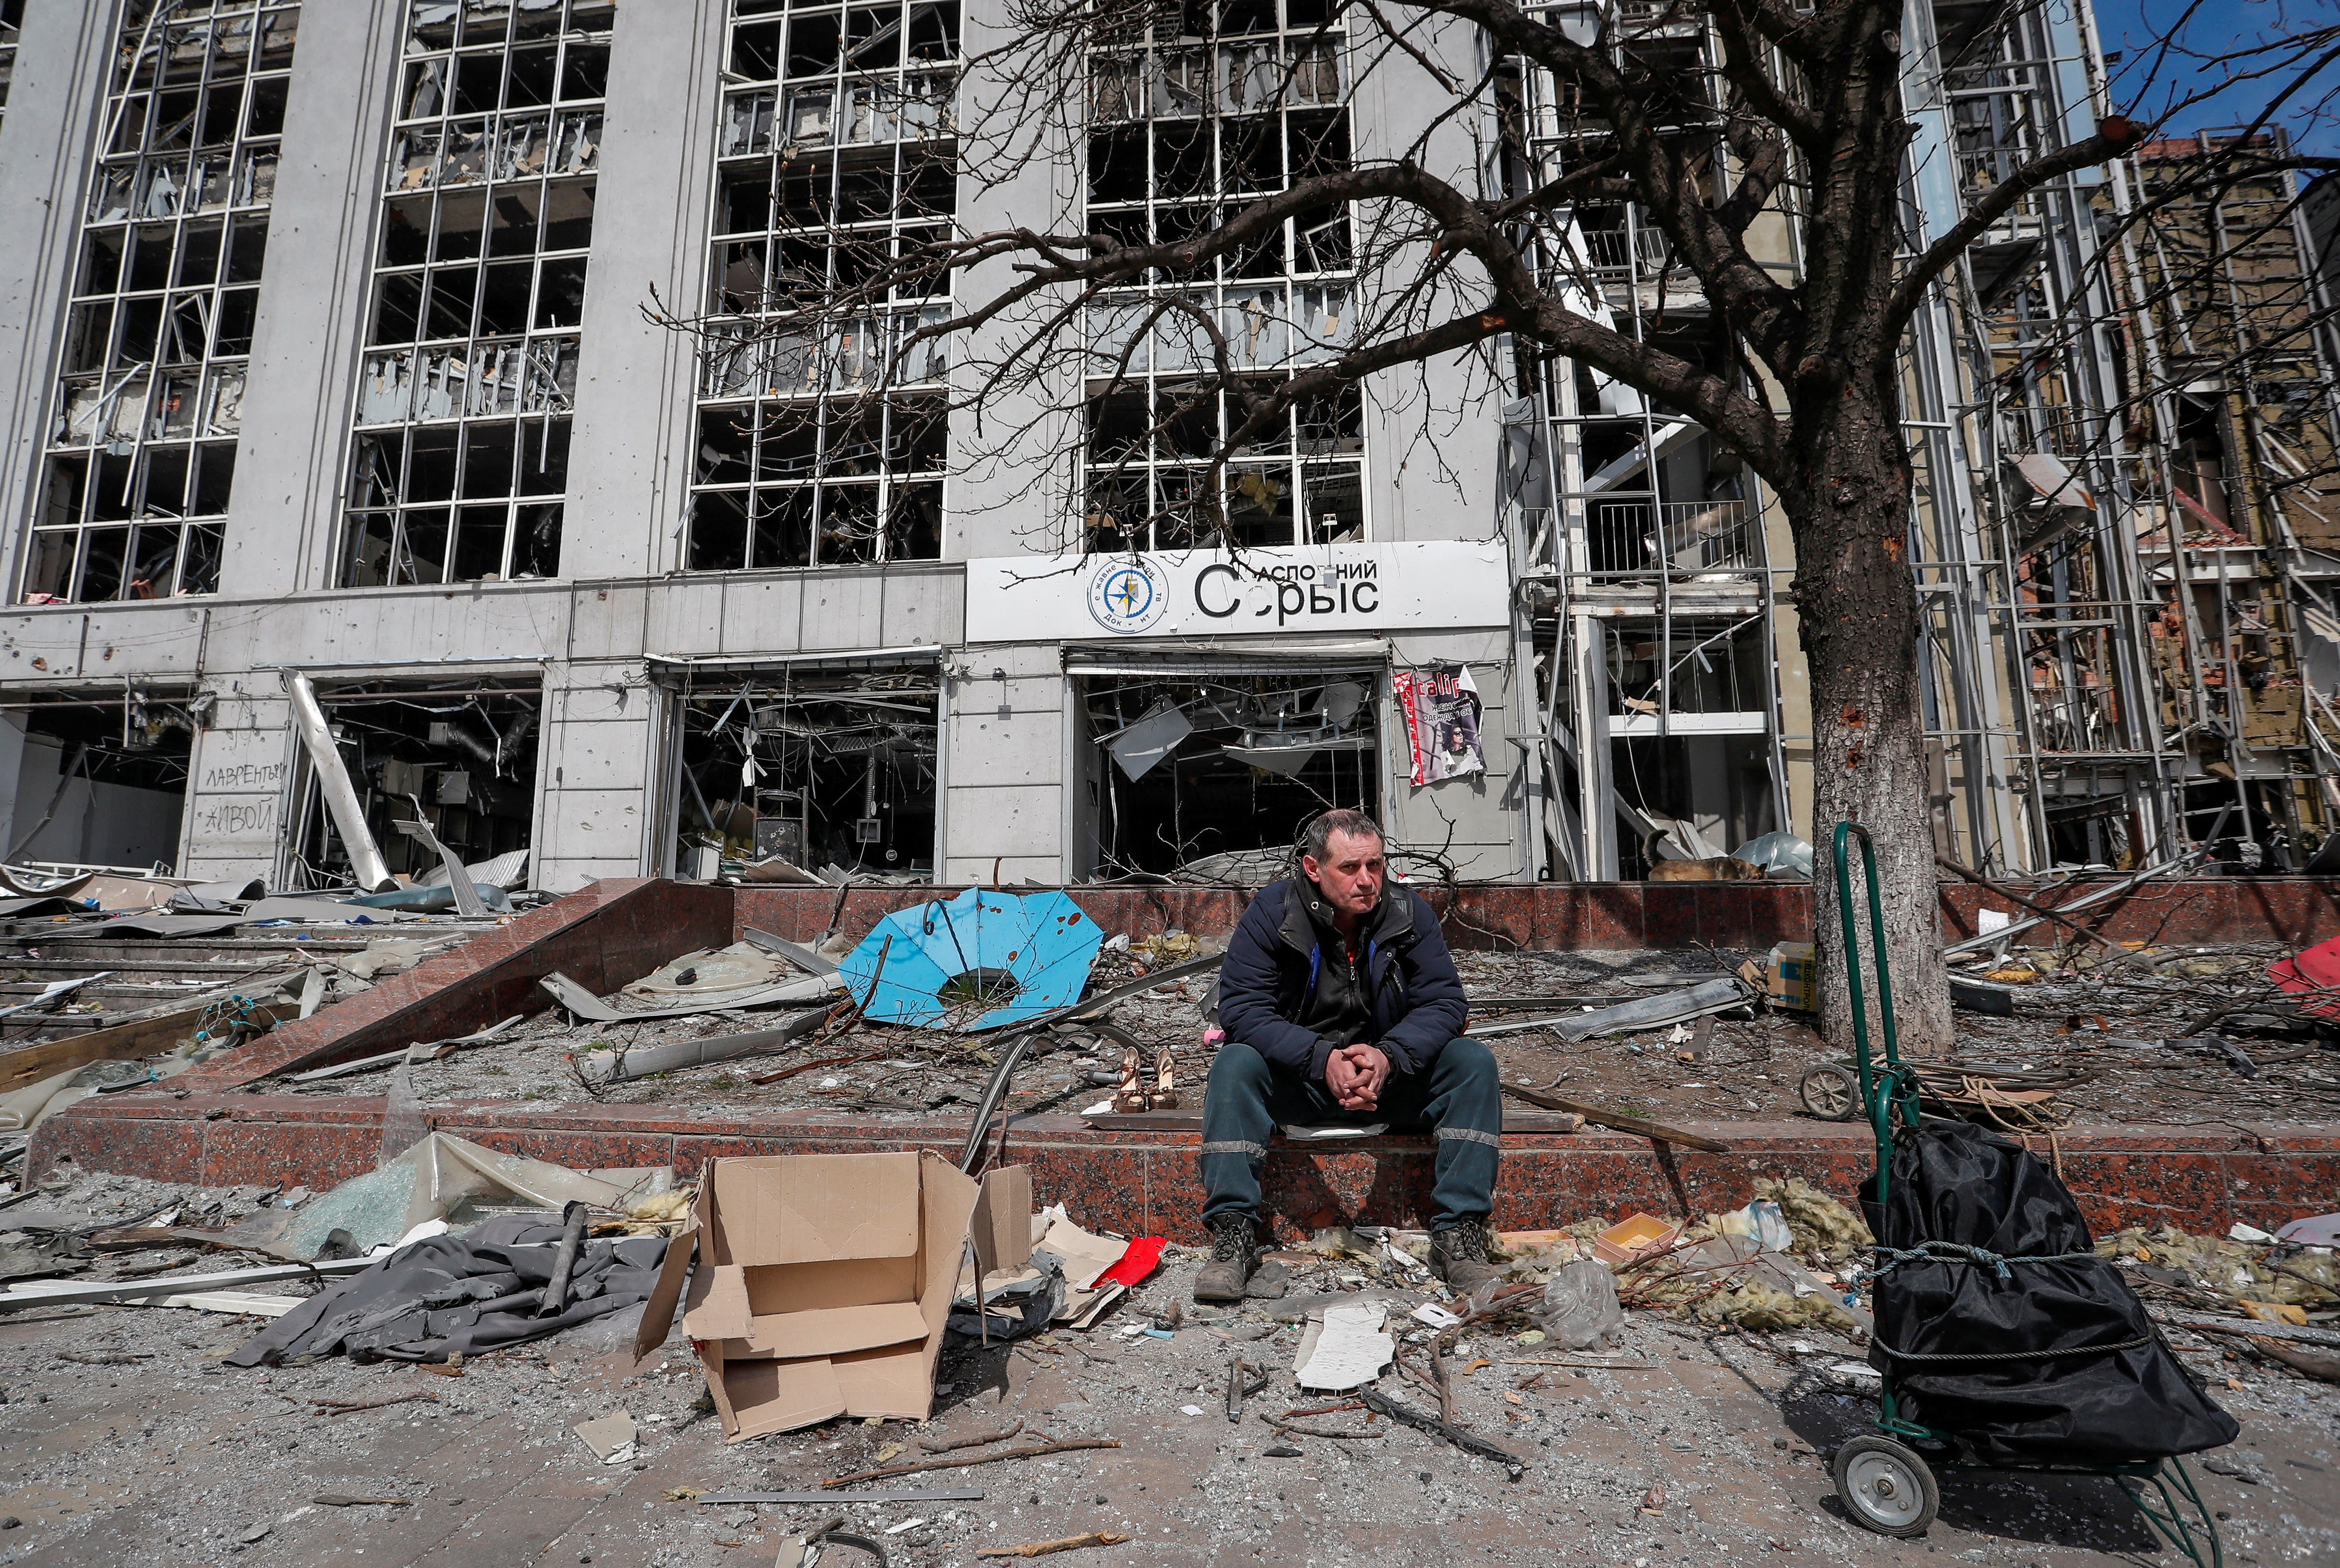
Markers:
point(2214, 28)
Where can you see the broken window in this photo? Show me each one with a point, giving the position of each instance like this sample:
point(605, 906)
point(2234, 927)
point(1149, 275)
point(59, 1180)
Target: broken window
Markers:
point(1223, 107)
point(96, 782)
point(803, 775)
point(12, 16)
point(1210, 777)
point(1690, 721)
point(836, 159)
point(1691, 795)
point(165, 293)
point(470, 374)
point(462, 755)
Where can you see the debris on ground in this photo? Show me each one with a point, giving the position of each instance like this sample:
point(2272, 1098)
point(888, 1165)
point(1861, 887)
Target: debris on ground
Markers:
point(1061, 1544)
point(1344, 1344)
point(824, 1282)
point(446, 1295)
point(2216, 1272)
point(1580, 1307)
point(610, 1437)
point(2126, 1043)
point(454, 1182)
point(1721, 1428)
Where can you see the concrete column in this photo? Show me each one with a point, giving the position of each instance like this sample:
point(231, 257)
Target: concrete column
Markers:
point(1004, 757)
point(282, 516)
point(239, 784)
point(1795, 716)
point(633, 440)
point(1477, 819)
point(1433, 467)
point(1008, 492)
point(54, 100)
point(11, 772)
point(595, 799)
point(1433, 432)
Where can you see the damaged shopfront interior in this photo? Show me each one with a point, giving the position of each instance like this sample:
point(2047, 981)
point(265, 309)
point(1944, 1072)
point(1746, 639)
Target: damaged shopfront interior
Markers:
point(1198, 773)
point(804, 773)
point(1691, 741)
point(458, 755)
point(89, 781)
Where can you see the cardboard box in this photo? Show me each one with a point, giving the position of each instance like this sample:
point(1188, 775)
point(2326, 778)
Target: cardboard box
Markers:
point(1789, 976)
point(824, 1281)
point(1635, 1236)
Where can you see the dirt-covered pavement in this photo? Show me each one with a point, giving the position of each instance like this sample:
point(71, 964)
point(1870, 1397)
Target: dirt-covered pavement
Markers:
point(123, 1440)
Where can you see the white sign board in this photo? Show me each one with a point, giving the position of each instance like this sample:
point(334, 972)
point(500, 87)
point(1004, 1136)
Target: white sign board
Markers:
point(1369, 589)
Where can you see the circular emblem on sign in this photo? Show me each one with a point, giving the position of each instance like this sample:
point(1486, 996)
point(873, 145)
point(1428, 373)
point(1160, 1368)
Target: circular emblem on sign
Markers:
point(1127, 594)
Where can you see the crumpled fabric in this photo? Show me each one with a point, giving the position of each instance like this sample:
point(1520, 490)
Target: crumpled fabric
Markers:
point(449, 1295)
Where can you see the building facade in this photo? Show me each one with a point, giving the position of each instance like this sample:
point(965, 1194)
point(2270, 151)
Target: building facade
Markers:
point(434, 351)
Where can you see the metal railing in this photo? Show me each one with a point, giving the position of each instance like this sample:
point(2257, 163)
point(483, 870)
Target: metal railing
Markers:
point(1623, 251)
point(1680, 539)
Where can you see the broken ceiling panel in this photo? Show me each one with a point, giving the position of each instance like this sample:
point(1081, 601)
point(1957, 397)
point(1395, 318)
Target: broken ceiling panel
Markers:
point(1146, 743)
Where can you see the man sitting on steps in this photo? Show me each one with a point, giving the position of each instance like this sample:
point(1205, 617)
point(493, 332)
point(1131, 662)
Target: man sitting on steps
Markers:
point(1341, 1004)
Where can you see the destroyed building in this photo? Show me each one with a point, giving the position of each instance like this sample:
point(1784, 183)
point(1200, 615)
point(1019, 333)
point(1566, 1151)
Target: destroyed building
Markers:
point(2235, 425)
point(332, 366)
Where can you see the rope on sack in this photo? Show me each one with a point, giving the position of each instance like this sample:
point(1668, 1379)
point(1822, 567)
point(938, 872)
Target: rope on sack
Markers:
point(1983, 1257)
point(1940, 1251)
point(2014, 1355)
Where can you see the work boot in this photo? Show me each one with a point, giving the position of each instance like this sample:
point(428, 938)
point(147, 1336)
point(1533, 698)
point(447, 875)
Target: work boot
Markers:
point(1459, 1257)
point(1234, 1253)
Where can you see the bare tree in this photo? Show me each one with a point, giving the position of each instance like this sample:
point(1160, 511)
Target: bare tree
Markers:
point(1455, 245)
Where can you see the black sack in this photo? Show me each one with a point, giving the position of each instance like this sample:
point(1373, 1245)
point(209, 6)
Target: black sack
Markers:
point(1953, 1182)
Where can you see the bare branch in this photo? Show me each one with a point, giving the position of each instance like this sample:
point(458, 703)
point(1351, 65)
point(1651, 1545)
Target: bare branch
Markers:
point(2114, 136)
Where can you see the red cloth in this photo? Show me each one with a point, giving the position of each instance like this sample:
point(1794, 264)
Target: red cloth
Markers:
point(1139, 1261)
point(2316, 974)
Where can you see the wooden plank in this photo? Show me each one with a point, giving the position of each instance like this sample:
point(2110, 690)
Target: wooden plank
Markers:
point(43, 1294)
point(2247, 1328)
point(1616, 1123)
point(144, 1037)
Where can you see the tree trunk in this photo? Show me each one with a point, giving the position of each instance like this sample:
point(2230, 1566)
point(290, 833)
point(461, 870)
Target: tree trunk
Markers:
point(1858, 605)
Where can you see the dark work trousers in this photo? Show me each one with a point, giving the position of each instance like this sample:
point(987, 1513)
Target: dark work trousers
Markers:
point(1460, 1100)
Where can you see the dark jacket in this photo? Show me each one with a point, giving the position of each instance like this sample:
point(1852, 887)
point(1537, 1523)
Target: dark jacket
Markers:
point(1275, 959)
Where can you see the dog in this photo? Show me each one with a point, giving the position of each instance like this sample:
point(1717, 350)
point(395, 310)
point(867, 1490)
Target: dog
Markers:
point(1718, 868)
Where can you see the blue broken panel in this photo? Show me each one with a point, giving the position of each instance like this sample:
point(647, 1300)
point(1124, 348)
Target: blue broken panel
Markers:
point(980, 961)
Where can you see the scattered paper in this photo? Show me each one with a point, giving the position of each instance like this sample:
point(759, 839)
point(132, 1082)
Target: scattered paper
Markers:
point(1085, 1257)
point(905, 1525)
point(1190, 1410)
point(1348, 1347)
point(1437, 1316)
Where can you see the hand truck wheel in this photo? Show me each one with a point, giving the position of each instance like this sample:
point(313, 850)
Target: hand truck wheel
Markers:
point(1830, 1093)
point(1885, 1486)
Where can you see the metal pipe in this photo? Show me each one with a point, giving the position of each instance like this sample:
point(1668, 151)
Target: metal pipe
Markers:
point(2110, 890)
point(564, 1262)
point(372, 872)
